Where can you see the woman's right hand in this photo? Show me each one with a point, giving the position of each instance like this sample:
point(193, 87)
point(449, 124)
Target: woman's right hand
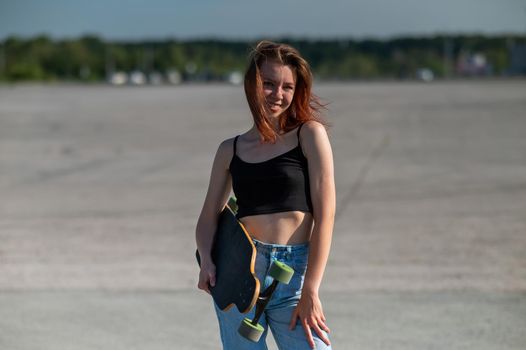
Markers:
point(207, 276)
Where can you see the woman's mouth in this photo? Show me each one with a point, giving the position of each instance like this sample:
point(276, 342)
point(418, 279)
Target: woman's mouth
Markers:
point(274, 106)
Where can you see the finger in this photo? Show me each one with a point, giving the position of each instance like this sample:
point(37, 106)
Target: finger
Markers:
point(323, 326)
point(203, 287)
point(200, 285)
point(321, 334)
point(308, 333)
point(212, 280)
point(293, 320)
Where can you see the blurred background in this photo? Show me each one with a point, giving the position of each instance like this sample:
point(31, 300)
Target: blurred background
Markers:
point(110, 116)
point(169, 42)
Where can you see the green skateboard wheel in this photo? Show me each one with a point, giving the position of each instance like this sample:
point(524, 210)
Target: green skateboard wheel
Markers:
point(250, 331)
point(281, 272)
point(232, 203)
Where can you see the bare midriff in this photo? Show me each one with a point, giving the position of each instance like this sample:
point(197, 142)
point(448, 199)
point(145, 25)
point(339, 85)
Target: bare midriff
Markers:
point(286, 228)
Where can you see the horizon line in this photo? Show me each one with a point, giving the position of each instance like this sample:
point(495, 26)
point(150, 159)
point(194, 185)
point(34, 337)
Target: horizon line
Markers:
point(228, 38)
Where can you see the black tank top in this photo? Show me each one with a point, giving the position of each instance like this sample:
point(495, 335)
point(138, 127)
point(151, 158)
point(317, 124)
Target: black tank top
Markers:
point(276, 185)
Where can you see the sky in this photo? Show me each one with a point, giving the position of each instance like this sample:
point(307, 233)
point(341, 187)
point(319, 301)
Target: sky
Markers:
point(247, 19)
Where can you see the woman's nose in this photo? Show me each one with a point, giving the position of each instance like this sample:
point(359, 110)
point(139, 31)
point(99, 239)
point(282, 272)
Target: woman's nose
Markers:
point(278, 92)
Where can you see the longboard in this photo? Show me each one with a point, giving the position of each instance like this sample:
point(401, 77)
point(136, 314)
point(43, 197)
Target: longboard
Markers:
point(234, 255)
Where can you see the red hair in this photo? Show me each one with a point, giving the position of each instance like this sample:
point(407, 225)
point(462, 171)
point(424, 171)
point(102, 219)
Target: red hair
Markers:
point(305, 105)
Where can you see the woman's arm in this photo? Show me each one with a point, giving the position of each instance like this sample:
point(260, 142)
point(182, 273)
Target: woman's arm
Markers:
point(219, 188)
point(317, 149)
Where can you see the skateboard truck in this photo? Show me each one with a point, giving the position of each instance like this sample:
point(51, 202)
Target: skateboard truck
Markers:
point(251, 329)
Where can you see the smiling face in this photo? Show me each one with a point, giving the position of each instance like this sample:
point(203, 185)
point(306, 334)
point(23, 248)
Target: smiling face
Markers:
point(279, 83)
point(277, 86)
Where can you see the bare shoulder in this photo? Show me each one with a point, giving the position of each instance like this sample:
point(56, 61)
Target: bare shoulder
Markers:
point(227, 145)
point(313, 132)
point(225, 151)
point(314, 126)
point(315, 142)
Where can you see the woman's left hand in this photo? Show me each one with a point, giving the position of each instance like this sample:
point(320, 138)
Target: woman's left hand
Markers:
point(310, 313)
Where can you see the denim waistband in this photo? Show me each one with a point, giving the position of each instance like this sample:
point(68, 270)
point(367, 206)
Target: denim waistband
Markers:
point(262, 246)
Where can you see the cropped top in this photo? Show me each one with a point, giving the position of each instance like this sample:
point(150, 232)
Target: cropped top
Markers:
point(276, 185)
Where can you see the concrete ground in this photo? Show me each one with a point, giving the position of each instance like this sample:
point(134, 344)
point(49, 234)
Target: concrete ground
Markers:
point(100, 189)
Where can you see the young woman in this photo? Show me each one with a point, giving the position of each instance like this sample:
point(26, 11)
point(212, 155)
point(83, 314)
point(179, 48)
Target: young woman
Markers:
point(281, 171)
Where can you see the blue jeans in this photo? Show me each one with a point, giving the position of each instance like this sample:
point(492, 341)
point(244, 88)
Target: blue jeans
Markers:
point(278, 312)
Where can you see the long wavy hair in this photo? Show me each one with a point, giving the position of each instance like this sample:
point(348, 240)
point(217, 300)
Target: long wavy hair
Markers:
point(305, 105)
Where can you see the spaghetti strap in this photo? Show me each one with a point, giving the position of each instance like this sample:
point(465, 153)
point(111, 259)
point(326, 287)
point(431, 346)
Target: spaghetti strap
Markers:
point(298, 133)
point(235, 145)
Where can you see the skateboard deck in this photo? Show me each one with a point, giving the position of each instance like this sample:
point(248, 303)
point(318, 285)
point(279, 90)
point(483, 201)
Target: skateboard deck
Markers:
point(234, 256)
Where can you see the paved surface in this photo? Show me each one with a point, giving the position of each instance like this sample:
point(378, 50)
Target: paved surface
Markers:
point(100, 190)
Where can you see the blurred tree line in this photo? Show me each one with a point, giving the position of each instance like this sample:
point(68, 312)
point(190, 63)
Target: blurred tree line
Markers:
point(90, 58)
